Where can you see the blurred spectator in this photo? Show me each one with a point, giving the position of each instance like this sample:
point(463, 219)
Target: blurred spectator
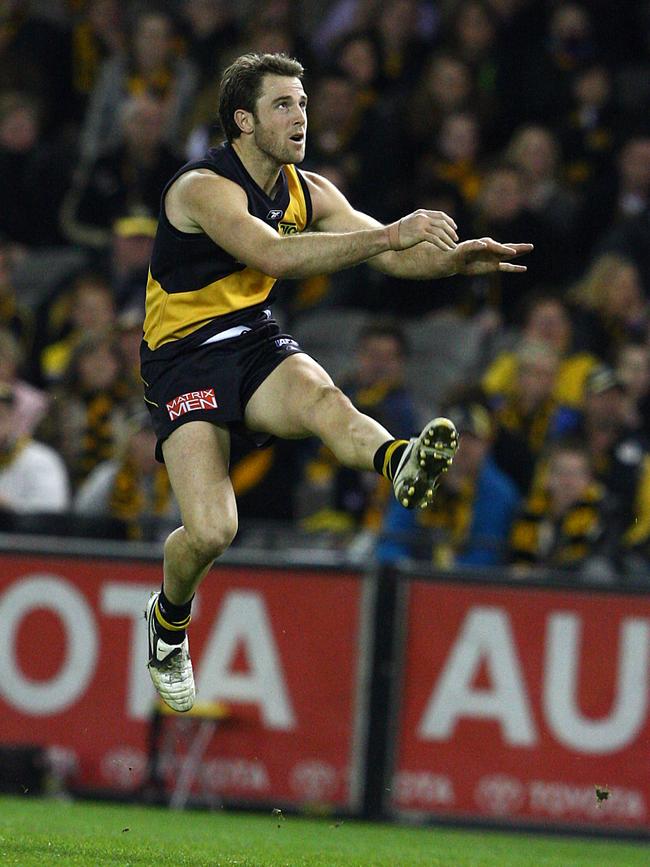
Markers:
point(150, 65)
point(132, 487)
point(536, 151)
point(14, 316)
point(34, 59)
point(588, 132)
point(128, 334)
point(96, 34)
point(90, 407)
point(469, 521)
point(127, 179)
point(130, 252)
point(28, 404)
point(619, 453)
point(611, 305)
point(546, 320)
point(76, 315)
point(525, 416)
point(500, 212)
point(403, 45)
point(357, 56)
point(445, 87)
point(566, 523)
point(349, 16)
point(553, 60)
point(211, 30)
point(33, 174)
point(355, 499)
point(334, 120)
point(454, 163)
point(633, 371)
point(615, 197)
point(471, 34)
point(33, 477)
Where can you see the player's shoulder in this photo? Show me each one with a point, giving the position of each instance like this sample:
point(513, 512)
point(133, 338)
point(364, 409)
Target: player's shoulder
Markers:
point(202, 184)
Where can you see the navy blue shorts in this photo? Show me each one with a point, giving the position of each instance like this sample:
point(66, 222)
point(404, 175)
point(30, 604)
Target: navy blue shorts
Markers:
point(214, 381)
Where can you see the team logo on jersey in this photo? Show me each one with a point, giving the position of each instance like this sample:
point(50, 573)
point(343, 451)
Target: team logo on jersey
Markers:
point(288, 228)
point(192, 400)
point(274, 214)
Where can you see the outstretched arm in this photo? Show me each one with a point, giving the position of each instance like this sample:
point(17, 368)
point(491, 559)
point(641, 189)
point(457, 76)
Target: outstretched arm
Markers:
point(333, 213)
point(200, 201)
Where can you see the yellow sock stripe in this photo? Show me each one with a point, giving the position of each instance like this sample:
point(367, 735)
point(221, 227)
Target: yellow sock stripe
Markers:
point(386, 471)
point(173, 626)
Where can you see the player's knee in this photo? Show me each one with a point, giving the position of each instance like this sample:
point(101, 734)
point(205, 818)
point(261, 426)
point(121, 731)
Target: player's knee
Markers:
point(327, 398)
point(212, 538)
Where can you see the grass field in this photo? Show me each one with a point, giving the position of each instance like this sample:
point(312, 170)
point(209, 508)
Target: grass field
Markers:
point(43, 833)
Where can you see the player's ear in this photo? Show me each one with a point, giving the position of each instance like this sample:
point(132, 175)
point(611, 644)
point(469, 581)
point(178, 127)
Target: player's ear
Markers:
point(244, 120)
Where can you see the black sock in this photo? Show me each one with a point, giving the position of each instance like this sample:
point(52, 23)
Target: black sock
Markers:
point(171, 620)
point(388, 456)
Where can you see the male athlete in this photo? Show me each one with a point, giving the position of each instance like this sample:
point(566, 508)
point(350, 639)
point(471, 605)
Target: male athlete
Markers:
point(213, 358)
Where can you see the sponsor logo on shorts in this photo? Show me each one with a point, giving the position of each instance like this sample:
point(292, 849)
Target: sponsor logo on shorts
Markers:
point(274, 214)
point(193, 400)
point(287, 228)
point(285, 341)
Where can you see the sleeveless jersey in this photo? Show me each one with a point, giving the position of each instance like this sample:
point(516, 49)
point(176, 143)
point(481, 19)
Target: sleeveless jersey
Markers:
point(195, 288)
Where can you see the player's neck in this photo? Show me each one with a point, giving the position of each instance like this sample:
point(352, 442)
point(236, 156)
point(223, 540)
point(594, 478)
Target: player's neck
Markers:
point(264, 170)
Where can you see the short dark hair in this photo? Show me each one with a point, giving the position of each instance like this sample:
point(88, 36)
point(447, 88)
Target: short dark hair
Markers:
point(385, 326)
point(241, 84)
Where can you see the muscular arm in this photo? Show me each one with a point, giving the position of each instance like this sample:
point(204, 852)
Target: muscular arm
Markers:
point(201, 201)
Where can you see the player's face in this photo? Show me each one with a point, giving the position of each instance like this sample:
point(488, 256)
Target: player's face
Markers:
point(281, 119)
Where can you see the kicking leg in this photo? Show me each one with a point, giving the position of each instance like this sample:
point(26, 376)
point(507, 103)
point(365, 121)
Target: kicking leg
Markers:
point(299, 399)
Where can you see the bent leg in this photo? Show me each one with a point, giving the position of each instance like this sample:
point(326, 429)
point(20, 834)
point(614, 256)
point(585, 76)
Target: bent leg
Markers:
point(196, 455)
point(298, 399)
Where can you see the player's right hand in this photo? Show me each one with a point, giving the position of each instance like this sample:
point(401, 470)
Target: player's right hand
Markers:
point(433, 227)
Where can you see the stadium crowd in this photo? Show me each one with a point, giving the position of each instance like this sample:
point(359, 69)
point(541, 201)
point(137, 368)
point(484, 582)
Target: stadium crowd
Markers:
point(526, 120)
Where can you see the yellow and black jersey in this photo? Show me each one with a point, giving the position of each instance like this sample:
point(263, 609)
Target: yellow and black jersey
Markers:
point(195, 288)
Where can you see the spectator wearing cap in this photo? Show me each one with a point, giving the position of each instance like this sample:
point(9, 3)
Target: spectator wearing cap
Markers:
point(566, 522)
point(469, 521)
point(132, 487)
point(619, 454)
point(130, 252)
point(33, 477)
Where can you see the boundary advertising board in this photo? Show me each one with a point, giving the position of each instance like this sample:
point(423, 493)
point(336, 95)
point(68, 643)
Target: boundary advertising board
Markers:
point(282, 648)
point(523, 704)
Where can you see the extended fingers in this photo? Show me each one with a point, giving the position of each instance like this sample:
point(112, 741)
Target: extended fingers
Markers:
point(520, 249)
point(508, 266)
point(508, 251)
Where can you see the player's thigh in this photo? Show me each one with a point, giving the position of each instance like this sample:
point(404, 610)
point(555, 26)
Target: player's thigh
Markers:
point(284, 403)
point(197, 456)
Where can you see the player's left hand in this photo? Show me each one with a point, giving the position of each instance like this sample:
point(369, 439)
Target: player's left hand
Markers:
point(485, 256)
